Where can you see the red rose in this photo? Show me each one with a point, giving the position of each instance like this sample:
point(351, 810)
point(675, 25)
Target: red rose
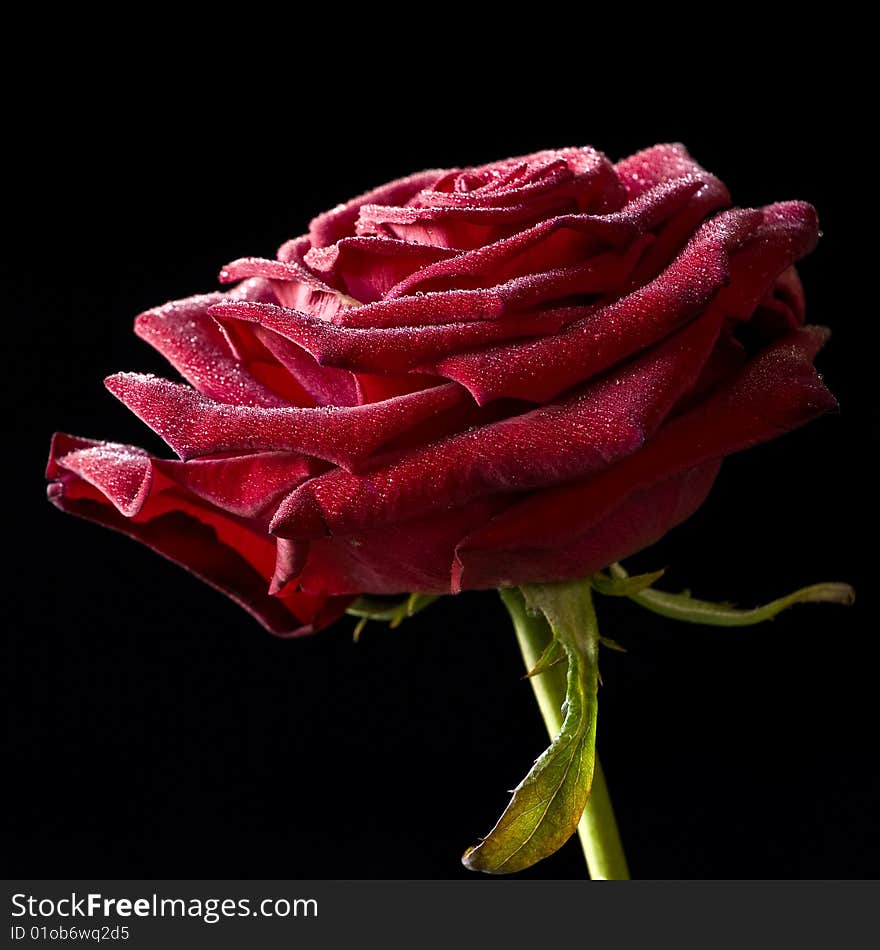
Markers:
point(463, 379)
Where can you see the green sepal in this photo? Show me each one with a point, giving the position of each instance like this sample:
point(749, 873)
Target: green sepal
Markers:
point(690, 610)
point(392, 611)
point(548, 803)
point(359, 629)
point(553, 653)
point(414, 604)
point(373, 608)
point(624, 586)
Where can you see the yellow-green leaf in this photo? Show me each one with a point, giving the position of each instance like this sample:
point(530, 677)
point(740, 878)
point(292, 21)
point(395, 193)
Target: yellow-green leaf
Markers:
point(548, 803)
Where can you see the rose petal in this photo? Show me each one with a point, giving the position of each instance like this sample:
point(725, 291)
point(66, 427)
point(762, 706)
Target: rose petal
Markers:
point(641, 519)
point(339, 222)
point(783, 307)
point(294, 285)
point(195, 346)
point(524, 179)
point(452, 306)
point(645, 170)
point(244, 486)
point(375, 387)
point(466, 217)
point(194, 425)
point(393, 349)
point(576, 436)
point(599, 275)
point(777, 390)
point(200, 539)
point(653, 168)
point(390, 559)
point(122, 473)
point(788, 231)
point(557, 242)
point(290, 558)
point(262, 363)
point(370, 266)
point(325, 385)
point(540, 369)
point(245, 267)
point(249, 486)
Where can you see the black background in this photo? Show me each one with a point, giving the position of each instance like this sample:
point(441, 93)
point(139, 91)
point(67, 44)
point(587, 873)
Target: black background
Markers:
point(156, 730)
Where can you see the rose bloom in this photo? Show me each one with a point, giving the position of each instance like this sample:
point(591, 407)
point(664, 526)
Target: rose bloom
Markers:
point(463, 379)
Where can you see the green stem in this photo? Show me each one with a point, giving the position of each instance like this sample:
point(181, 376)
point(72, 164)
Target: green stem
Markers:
point(598, 833)
point(597, 829)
